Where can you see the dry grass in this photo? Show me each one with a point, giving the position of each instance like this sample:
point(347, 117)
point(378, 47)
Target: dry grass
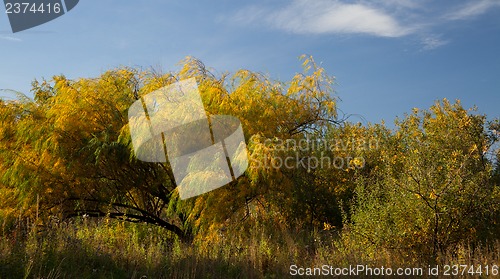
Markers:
point(109, 249)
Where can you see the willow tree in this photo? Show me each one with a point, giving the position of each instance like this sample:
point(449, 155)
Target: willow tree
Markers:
point(70, 151)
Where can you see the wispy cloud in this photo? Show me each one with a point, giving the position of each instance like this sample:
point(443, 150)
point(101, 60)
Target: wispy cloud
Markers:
point(472, 9)
point(395, 4)
point(433, 41)
point(9, 38)
point(322, 17)
point(379, 18)
point(249, 14)
point(326, 17)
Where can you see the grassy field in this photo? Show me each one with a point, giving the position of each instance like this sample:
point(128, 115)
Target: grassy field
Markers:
point(111, 249)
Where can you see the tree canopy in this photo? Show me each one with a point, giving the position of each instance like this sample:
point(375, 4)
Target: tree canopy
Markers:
point(431, 179)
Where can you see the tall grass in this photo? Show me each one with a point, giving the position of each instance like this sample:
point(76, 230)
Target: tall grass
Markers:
point(111, 249)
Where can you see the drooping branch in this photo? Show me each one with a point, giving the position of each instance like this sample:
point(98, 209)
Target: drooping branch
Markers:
point(140, 215)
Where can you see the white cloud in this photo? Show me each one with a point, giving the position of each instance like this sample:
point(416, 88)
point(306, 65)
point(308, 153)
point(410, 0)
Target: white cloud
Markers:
point(250, 14)
point(9, 38)
point(323, 16)
point(380, 18)
point(472, 9)
point(433, 42)
point(396, 4)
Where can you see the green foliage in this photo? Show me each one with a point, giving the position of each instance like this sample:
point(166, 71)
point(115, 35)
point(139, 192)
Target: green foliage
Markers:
point(434, 190)
point(420, 190)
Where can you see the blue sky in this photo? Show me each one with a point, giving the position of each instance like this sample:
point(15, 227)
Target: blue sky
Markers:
point(388, 56)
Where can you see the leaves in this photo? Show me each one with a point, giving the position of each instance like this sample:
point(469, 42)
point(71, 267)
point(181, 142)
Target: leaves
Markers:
point(419, 187)
point(438, 180)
